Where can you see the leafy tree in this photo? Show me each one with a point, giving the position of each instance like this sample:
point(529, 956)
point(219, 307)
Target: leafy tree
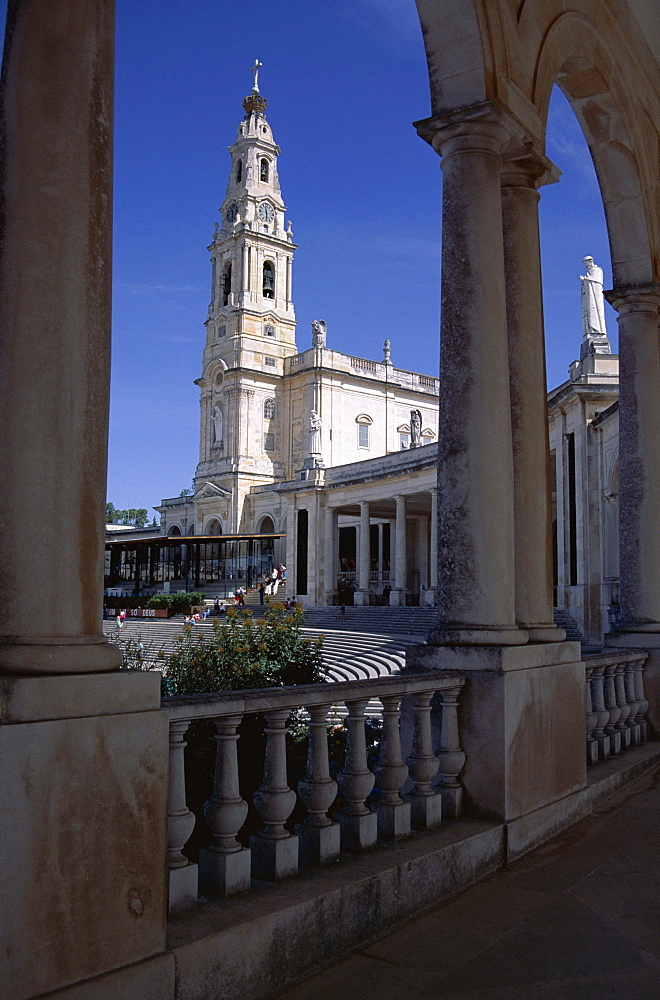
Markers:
point(185, 493)
point(110, 512)
point(141, 517)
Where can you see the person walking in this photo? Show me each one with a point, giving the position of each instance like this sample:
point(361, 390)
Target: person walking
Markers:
point(262, 591)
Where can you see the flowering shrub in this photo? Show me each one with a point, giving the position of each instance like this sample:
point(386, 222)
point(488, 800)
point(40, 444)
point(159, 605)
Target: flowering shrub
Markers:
point(177, 603)
point(244, 653)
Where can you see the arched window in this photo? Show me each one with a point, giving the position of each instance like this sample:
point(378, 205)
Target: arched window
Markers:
point(363, 422)
point(269, 281)
point(266, 526)
point(264, 169)
point(226, 283)
point(269, 409)
point(214, 527)
point(174, 529)
point(239, 171)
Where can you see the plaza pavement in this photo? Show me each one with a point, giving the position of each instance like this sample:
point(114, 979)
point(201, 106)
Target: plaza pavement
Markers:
point(577, 919)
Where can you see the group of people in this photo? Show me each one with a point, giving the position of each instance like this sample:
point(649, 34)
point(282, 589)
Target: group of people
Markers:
point(271, 582)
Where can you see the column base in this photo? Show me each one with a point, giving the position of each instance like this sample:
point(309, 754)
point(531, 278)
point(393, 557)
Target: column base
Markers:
point(425, 810)
point(182, 889)
point(358, 832)
point(397, 598)
point(224, 874)
point(318, 844)
point(615, 743)
point(455, 635)
point(90, 655)
point(429, 598)
point(544, 632)
point(361, 598)
point(592, 752)
point(274, 859)
point(393, 820)
point(603, 747)
point(452, 800)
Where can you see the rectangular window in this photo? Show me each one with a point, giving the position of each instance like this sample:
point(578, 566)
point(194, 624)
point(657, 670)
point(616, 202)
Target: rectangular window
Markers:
point(270, 361)
point(363, 435)
point(269, 442)
point(404, 441)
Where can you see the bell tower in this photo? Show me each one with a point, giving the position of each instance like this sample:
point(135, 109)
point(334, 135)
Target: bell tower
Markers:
point(250, 327)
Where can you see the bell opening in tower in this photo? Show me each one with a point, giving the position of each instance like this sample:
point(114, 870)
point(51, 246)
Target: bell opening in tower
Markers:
point(268, 281)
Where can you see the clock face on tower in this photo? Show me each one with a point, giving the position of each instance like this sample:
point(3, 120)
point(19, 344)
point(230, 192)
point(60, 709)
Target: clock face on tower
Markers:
point(231, 213)
point(266, 213)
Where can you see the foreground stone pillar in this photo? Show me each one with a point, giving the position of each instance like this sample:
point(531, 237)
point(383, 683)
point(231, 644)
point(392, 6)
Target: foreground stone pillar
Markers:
point(475, 466)
point(83, 747)
point(55, 285)
point(639, 475)
point(522, 173)
point(433, 568)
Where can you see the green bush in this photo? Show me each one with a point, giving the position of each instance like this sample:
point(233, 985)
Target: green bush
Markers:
point(177, 603)
point(244, 653)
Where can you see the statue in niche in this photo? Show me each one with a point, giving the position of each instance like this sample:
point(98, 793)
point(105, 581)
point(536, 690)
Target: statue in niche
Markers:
point(217, 424)
point(593, 308)
point(319, 331)
point(315, 424)
point(415, 428)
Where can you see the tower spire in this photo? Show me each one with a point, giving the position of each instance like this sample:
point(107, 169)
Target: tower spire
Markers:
point(254, 103)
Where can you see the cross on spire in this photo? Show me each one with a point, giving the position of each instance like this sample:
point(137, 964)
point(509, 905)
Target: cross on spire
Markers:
point(255, 69)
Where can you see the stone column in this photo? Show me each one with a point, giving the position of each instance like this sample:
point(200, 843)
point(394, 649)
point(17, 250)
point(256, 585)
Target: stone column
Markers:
point(330, 566)
point(639, 475)
point(639, 451)
point(55, 285)
point(523, 172)
point(398, 592)
point(476, 579)
point(361, 595)
point(291, 562)
point(433, 568)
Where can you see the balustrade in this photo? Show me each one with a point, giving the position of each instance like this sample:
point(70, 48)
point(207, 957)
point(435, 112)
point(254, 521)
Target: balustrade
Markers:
point(615, 703)
point(227, 866)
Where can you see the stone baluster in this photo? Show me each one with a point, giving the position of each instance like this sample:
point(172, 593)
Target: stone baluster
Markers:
point(182, 875)
point(274, 849)
point(631, 699)
point(425, 803)
point(642, 701)
point(625, 708)
point(391, 772)
point(611, 705)
point(319, 836)
point(451, 756)
point(224, 867)
point(602, 714)
point(592, 745)
point(359, 826)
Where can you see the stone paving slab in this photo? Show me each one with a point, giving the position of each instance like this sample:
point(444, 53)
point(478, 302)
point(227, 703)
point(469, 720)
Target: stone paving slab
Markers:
point(578, 919)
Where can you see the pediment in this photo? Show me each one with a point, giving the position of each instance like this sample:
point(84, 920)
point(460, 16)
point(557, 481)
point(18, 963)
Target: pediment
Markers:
point(209, 491)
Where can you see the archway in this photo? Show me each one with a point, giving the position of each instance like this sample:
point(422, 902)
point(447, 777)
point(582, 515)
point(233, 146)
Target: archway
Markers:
point(266, 526)
point(213, 527)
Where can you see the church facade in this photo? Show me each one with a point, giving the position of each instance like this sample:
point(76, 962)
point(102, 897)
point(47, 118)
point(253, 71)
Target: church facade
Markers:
point(289, 438)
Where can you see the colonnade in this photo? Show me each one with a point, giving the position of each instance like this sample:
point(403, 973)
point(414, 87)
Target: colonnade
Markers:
point(400, 558)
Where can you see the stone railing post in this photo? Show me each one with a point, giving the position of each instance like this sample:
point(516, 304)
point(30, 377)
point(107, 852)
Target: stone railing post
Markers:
point(609, 691)
point(525, 169)
point(359, 826)
point(319, 836)
point(641, 699)
point(624, 708)
point(274, 849)
point(391, 772)
point(475, 458)
point(602, 714)
point(425, 803)
point(451, 756)
point(182, 875)
point(592, 745)
point(224, 867)
point(631, 698)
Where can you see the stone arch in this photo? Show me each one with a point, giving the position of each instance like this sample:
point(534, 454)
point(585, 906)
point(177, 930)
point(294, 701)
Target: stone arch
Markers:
point(266, 525)
point(174, 529)
point(213, 526)
point(454, 53)
point(574, 54)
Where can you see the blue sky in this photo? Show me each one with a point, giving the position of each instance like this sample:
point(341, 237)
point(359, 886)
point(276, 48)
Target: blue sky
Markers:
point(344, 81)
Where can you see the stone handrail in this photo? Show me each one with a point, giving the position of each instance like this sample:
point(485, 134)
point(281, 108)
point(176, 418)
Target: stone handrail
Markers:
point(615, 702)
point(432, 771)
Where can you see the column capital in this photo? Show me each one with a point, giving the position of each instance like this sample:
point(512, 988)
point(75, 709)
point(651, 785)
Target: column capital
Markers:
point(485, 125)
point(634, 298)
point(524, 165)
